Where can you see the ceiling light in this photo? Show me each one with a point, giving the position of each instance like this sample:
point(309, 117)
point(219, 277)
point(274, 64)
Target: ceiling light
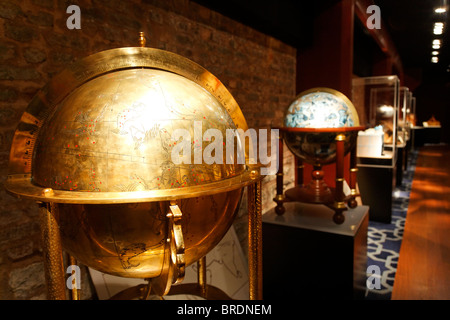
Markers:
point(440, 10)
point(436, 44)
point(438, 27)
point(435, 53)
point(434, 59)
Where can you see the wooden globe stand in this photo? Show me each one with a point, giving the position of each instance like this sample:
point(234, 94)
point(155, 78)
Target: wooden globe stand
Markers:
point(317, 191)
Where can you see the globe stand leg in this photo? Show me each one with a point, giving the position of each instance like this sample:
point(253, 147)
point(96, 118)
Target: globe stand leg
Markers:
point(279, 198)
point(145, 291)
point(338, 217)
point(201, 277)
point(299, 173)
point(279, 209)
point(52, 249)
point(353, 177)
point(339, 204)
point(255, 241)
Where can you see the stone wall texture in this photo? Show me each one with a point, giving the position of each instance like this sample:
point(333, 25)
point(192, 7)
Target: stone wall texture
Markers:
point(36, 44)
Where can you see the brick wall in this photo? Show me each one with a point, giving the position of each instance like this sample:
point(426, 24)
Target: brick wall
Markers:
point(35, 44)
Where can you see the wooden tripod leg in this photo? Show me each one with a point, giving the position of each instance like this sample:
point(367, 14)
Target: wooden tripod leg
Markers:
point(339, 204)
point(353, 177)
point(279, 198)
point(299, 171)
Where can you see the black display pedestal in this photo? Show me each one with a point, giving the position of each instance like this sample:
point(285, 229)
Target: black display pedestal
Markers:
point(422, 135)
point(401, 164)
point(307, 256)
point(407, 151)
point(375, 186)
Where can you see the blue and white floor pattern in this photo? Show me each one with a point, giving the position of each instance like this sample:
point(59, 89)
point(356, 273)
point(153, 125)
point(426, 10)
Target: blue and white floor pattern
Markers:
point(384, 239)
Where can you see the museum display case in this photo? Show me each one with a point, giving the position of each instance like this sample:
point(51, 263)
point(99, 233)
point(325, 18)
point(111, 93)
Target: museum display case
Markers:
point(377, 146)
point(379, 97)
point(410, 124)
point(413, 121)
point(404, 126)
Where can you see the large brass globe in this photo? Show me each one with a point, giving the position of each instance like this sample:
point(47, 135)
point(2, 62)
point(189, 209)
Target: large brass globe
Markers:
point(97, 143)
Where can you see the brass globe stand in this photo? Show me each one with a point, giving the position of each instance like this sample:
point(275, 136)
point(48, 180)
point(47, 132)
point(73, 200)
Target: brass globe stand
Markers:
point(55, 272)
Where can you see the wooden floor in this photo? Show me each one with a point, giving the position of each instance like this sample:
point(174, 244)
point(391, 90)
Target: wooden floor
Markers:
point(423, 271)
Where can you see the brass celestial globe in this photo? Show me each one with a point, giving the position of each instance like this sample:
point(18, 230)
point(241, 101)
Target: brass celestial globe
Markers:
point(96, 146)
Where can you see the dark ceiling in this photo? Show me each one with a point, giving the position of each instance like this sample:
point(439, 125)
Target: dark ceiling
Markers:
point(290, 21)
point(409, 23)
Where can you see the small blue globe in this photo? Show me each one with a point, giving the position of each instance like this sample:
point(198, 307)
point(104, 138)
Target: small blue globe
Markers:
point(313, 121)
point(321, 109)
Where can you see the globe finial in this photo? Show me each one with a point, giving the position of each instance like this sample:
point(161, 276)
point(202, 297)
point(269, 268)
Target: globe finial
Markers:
point(142, 40)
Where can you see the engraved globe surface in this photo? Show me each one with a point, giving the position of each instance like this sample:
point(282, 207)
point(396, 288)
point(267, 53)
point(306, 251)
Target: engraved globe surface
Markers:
point(314, 119)
point(105, 150)
point(115, 134)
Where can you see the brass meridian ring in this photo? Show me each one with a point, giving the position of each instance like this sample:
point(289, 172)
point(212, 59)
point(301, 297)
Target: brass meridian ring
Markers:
point(20, 176)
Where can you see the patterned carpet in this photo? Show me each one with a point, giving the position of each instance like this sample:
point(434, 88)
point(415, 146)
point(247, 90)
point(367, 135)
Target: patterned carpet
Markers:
point(384, 240)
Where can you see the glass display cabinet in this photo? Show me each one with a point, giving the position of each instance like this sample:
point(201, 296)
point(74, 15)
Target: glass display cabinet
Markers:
point(404, 132)
point(404, 128)
point(412, 114)
point(377, 98)
point(413, 121)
